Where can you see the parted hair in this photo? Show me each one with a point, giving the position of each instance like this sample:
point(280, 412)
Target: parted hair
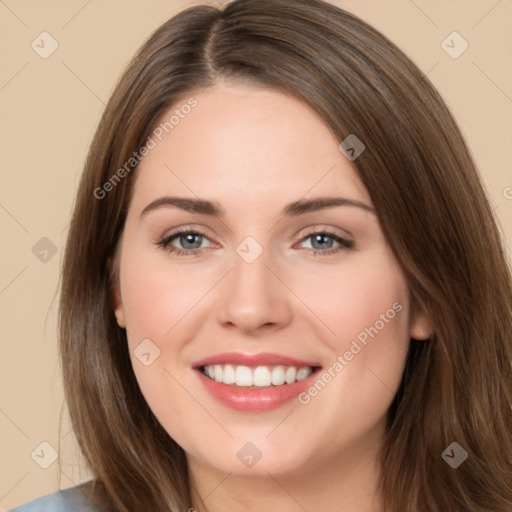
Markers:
point(432, 208)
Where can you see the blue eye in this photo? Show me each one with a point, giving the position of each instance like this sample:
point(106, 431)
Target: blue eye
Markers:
point(189, 241)
point(323, 241)
point(192, 243)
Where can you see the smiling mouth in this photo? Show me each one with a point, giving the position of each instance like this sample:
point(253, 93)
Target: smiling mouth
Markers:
point(241, 376)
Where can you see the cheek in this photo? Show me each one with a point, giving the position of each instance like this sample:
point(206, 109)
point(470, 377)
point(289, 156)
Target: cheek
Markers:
point(372, 336)
point(365, 305)
point(363, 299)
point(156, 295)
point(159, 304)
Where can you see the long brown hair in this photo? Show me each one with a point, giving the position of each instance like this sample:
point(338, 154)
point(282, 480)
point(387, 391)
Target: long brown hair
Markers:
point(456, 387)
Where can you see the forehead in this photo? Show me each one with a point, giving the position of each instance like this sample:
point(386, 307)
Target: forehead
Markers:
point(241, 141)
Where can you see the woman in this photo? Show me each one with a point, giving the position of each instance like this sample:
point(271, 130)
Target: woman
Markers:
point(337, 335)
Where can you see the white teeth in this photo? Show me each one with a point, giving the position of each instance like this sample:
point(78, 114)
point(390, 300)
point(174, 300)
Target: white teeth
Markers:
point(261, 376)
point(278, 376)
point(303, 373)
point(291, 373)
point(228, 374)
point(243, 376)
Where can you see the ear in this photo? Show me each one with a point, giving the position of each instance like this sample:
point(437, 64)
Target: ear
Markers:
point(115, 293)
point(421, 323)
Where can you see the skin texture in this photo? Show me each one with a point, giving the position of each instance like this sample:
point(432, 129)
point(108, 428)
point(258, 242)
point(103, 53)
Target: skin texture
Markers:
point(254, 151)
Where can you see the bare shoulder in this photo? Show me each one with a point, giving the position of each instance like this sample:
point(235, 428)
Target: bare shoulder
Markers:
point(82, 498)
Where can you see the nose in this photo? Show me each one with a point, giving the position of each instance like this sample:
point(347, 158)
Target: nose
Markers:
point(254, 297)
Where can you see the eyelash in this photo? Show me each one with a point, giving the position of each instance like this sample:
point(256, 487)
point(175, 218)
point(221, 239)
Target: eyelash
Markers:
point(166, 243)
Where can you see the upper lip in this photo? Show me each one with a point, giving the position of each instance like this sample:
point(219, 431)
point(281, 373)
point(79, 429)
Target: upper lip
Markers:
point(253, 360)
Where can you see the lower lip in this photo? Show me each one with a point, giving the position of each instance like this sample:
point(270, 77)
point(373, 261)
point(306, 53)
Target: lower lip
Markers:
point(252, 399)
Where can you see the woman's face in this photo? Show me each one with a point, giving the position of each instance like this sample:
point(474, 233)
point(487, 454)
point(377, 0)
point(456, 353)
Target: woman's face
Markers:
point(265, 287)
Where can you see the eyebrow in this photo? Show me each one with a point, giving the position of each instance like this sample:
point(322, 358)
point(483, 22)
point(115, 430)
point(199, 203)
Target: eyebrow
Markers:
point(294, 209)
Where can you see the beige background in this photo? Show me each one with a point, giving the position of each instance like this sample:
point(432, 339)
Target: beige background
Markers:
point(49, 110)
